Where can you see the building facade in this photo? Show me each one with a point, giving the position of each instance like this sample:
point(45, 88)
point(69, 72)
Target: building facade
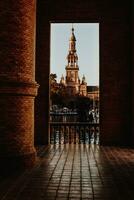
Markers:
point(74, 86)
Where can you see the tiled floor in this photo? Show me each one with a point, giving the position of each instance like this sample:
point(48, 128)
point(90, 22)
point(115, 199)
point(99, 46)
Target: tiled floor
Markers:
point(75, 172)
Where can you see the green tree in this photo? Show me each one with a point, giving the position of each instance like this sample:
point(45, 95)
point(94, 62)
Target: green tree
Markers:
point(57, 91)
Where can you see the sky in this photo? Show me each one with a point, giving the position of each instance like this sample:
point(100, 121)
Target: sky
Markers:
point(87, 46)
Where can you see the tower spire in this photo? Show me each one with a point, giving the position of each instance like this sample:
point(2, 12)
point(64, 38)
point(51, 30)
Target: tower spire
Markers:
point(72, 80)
point(72, 38)
point(72, 29)
point(72, 41)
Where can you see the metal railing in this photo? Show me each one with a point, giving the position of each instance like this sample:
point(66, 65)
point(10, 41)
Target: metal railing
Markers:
point(74, 132)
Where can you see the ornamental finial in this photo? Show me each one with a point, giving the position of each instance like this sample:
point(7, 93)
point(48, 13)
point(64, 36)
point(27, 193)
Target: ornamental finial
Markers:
point(72, 28)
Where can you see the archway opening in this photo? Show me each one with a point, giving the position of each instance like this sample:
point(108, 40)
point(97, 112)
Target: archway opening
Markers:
point(74, 83)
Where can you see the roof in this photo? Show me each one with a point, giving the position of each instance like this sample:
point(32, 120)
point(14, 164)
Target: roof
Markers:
point(92, 88)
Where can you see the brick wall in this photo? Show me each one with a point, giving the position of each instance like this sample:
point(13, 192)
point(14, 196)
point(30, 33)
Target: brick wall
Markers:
point(115, 84)
point(132, 59)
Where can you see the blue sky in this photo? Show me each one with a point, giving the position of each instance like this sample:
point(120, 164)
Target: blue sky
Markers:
point(87, 46)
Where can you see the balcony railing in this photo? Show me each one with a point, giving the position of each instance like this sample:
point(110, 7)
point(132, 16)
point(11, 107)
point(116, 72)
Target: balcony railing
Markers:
point(74, 132)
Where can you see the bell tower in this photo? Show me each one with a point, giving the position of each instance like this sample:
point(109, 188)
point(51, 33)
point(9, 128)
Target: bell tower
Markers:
point(72, 78)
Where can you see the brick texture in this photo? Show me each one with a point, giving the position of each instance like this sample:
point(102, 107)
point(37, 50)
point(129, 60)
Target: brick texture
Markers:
point(115, 62)
point(132, 33)
point(17, 83)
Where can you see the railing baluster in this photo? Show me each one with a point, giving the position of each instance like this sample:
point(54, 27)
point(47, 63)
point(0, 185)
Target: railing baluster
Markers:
point(70, 132)
point(59, 129)
point(97, 134)
point(75, 129)
point(74, 132)
point(54, 135)
point(89, 135)
point(51, 134)
point(79, 134)
point(65, 134)
point(95, 138)
point(84, 134)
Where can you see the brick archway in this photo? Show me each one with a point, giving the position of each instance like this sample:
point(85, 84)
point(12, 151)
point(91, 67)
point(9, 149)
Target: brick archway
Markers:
point(115, 72)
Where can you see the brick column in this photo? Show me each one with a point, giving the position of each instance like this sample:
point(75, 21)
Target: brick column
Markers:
point(17, 83)
point(132, 38)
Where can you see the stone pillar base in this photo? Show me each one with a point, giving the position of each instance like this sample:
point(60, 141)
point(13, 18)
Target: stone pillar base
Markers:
point(17, 126)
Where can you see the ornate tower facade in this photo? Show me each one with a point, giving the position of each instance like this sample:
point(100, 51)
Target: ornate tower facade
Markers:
point(83, 87)
point(72, 78)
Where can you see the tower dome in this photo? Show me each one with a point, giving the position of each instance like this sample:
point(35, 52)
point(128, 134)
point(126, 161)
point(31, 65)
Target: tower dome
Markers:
point(72, 38)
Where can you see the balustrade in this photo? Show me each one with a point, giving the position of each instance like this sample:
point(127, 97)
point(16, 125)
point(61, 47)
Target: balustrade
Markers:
point(74, 132)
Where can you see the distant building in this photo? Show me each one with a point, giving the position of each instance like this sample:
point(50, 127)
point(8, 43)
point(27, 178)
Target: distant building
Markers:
point(93, 94)
point(72, 81)
point(83, 87)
